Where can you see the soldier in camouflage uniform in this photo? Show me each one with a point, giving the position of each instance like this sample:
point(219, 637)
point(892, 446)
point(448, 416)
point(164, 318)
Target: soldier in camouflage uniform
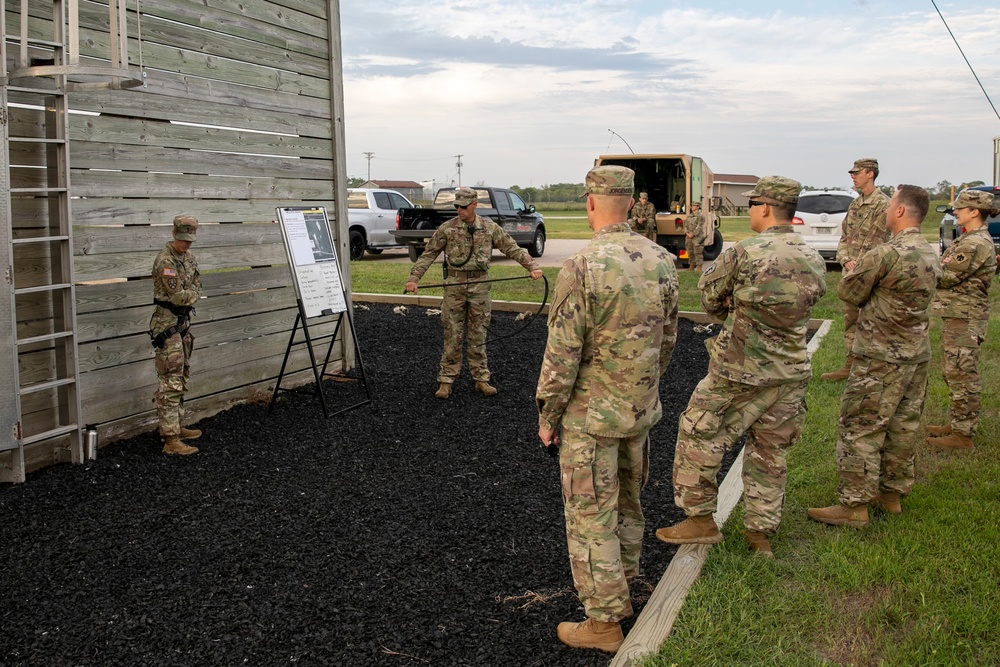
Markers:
point(764, 287)
point(176, 289)
point(863, 229)
point(963, 303)
point(694, 233)
point(612, 329)
point(643, 218)
point(893, 285)
point(468, 241)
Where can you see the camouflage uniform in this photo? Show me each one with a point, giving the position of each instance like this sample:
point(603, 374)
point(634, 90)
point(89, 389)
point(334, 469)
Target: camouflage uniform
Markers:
point(694, 225)
point(863, 229)
point(765, 288)
point(612, 329)
point(648, 213)
point(963, 303)
point(893, 286)
point(175, 280)
point(465, 308)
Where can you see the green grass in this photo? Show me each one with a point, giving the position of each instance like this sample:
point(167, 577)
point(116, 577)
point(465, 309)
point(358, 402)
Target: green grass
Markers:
point(916, 589)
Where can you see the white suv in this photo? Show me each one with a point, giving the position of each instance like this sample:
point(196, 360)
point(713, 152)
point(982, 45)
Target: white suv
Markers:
point(819, 219)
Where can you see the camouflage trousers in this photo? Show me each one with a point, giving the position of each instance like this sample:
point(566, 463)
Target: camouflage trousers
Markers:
point(695, 250)
point(719, 413)
point(879, 429)
point(465, 313)
point(601, 481)
point(960, 345)
point(173, 367)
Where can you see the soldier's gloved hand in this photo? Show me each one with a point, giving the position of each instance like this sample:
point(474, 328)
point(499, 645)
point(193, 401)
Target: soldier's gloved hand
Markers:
point(185, 297)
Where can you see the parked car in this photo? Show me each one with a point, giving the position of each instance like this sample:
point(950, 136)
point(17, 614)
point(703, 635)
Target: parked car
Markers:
point(949, 231)
point(371, 214)
point(819, 218)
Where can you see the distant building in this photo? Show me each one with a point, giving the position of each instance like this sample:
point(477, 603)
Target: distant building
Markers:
point(409, 189)
point(729, 188)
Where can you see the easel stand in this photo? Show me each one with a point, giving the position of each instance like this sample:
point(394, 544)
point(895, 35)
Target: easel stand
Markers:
point(319, 373)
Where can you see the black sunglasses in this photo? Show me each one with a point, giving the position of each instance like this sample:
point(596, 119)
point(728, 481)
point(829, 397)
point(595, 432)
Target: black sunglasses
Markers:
point(459, 206)
point(755, 203)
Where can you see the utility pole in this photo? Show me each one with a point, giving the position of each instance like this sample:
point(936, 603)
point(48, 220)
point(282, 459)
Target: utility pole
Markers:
point(369, 156)
point(459, 165)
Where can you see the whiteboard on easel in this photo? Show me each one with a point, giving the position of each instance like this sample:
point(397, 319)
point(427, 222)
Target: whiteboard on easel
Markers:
point(313, 260)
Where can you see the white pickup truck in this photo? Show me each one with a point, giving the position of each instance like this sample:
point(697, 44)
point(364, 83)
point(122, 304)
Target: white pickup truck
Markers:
point(371, 214)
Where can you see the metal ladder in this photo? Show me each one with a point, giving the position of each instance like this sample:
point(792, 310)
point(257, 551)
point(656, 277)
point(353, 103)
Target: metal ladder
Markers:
point(39, 270)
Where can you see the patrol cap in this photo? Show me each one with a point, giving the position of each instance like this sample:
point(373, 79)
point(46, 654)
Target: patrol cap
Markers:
point(643, 195)
point(864, 163)
point(974, 199)
point(465, 196)
point(185, 227)
point(696, 203)
point(778, 188)
point(611, 180)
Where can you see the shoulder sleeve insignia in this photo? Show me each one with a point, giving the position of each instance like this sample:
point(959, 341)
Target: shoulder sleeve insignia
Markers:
point(961, 257)
point(169, 271)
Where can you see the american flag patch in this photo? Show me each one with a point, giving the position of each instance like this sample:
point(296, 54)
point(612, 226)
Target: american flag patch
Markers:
point(167, 271)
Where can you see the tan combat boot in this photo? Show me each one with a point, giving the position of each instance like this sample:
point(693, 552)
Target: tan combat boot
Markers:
point(939, 430)
point(693, 530)
point(444, 390)
point(841, 373)
point(172, 445)
point(189, 433)
point(841, 515)
point(759, 544)
point(953, 441)
point(485, 388)
point(888, 501)
point(603, 636)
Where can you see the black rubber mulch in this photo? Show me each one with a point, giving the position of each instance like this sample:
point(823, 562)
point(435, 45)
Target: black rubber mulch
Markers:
point(410, 532)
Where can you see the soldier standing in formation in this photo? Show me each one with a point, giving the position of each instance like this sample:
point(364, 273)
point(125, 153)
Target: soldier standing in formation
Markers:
point(612, 329)
point(893, 285)
point(765, 288)
point(694, 233)
point(963, 303)
point(643, 219)
point(863, 229)
point(468, 241)
point(176, 289)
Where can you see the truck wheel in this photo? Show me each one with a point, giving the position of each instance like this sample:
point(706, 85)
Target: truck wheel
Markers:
point(537, 246)
point(415, 252)
point(357, 245)
point(712, 251)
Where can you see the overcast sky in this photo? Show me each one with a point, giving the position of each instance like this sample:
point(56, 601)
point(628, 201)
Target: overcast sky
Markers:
point(527, 91)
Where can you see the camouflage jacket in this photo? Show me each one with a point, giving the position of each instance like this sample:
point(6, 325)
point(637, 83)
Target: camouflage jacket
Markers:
point(175, 279)
point(893, 285)
point(764, 287)
point(694, 225)
point(646, 211)
point(863, 227)
point(612, 329)
point(967, 270)
point(454, 239)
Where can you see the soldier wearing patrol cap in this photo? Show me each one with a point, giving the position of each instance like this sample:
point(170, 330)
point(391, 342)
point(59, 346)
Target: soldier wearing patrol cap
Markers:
point(764, 289)
point(612, 330)
point(963, 303)
point(643, 217)
point(694, 236)
point(893, 284)
point(863, 229)
point(176, 290)
point(467, 241)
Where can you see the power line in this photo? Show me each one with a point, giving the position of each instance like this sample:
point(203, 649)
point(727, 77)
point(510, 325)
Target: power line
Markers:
point(966, 60)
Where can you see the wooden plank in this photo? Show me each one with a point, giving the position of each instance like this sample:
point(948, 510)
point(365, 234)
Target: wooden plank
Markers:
point(152, 239)
point(93, 155)
point(188, 186)
point(117, 211)
point(127, 265)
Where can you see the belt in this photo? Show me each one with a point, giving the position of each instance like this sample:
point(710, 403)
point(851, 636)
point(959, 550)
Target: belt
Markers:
point(466, 274)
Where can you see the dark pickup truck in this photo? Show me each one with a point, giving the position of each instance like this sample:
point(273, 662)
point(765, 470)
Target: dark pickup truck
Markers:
point(415, 226)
